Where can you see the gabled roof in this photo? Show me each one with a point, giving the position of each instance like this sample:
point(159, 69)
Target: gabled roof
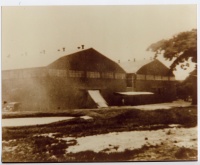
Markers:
point(89, 60)
point(148, 67)
point(155, 67)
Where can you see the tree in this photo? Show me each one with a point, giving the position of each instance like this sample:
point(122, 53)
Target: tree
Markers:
point(180, 48)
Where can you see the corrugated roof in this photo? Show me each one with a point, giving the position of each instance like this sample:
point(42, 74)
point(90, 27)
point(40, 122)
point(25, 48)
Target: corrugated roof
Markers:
point(155, 67)
point(147, 67)
point(89, 60)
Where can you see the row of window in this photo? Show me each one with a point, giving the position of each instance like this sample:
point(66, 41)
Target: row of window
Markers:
point(61, 73)
point(152, 77)
point(23, 74)
point(78, 74)
point(89, 74)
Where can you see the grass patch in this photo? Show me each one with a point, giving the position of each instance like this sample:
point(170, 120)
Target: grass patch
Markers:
point(109, 121)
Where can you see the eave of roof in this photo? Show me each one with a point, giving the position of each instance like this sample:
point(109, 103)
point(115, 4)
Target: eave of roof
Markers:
point(19, 69)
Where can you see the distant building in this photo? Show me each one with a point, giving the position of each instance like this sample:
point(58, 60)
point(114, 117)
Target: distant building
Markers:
point(149, 76)
point(65, 82)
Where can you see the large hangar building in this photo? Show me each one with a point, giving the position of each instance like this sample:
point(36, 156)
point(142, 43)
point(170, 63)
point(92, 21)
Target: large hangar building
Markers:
point(84, 79)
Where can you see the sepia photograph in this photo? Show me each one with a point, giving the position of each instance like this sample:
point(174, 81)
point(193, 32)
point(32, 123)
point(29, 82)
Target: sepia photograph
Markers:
point(99, 83)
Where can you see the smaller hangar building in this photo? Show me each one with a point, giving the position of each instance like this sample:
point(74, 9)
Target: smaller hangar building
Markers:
point(149, 76)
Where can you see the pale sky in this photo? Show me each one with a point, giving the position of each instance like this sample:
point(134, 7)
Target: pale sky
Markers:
point(118, 32)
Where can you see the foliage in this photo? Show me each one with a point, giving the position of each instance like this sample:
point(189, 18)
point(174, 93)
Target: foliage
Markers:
point(184, 90)
point(181, 47)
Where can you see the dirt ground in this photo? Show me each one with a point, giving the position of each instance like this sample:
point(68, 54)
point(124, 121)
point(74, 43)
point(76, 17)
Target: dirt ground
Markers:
point(117, 135)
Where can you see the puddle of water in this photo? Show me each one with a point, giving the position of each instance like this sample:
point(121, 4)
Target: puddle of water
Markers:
point(174, 125)
point(163, 105)
point(86, 117)
point(119, 141)
point(35, 120)
point(31, 121)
